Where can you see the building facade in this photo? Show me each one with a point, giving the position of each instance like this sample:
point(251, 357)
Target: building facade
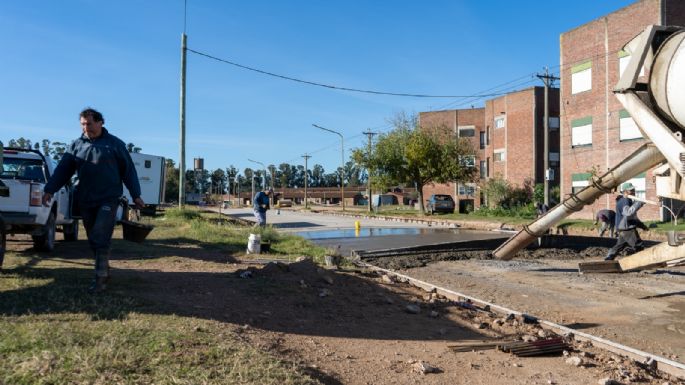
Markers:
point(596, 132)
point(463, 123)
point(508, 141)
point(515, 123)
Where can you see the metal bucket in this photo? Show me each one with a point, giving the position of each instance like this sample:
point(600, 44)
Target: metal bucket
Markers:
point(134, 231)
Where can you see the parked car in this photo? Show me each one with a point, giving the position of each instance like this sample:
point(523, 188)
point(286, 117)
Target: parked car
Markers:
point(440, 203)
point(23, 175)
point(285, 203)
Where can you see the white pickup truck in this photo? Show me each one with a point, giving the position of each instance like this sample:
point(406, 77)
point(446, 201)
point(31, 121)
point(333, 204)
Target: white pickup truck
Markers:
point(24, 174)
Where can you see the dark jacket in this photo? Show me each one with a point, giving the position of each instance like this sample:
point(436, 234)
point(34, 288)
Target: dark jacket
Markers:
point(102, 164)
point(261, 202)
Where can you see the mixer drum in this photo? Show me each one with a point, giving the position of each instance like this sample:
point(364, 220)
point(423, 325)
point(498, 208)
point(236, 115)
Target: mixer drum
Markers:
point(667, 78)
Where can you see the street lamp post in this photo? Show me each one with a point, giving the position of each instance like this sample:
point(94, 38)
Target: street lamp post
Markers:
point(263, 179)
point(342, 164)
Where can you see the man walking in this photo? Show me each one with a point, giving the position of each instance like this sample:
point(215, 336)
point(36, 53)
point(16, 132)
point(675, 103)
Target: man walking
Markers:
point(627, 223)
point(607, 218)
point(260, 205)
point(102, 163)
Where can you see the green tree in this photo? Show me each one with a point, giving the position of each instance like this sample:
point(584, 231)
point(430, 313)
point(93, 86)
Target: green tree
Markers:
point(171, 184)
point(133, 148)
point(411, 155)
point(496, 190)
point(218, 181)
point(318, 173)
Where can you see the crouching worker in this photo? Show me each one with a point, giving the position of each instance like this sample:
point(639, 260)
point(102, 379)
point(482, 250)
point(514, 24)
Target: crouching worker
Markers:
point(102, 163)
point(627, 223)
point(607, 218)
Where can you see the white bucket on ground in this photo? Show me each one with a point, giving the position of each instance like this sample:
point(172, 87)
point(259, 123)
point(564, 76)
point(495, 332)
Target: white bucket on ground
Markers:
point(254, 244)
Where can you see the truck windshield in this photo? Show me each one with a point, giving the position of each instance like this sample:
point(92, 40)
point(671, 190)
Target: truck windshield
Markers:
point(23, 169)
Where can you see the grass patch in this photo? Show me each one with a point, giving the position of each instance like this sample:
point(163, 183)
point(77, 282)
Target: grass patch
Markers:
point(142, 349)
point(53, 332)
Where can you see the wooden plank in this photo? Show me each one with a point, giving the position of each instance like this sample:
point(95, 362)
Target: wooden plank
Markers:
point(655, 256)
point(599, 267)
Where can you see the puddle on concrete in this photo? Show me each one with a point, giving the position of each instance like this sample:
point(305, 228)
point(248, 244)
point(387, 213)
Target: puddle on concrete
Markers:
point(371, 232)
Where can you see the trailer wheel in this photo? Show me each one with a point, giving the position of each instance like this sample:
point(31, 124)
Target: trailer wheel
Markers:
point(71, 231)
point(46, 242)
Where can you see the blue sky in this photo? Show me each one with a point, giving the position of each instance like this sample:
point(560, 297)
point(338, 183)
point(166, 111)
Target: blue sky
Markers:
point(123, 58)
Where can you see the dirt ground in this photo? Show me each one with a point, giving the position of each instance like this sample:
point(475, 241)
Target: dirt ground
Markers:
point(643, 310)
point(351, 326)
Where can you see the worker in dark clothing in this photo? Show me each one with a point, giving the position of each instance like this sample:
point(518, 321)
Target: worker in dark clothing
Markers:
point(102, 163)
point(626, 210)
point(260, 205)
point(607, 218)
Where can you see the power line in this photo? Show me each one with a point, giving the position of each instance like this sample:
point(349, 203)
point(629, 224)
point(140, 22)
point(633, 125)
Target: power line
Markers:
point(332, 86)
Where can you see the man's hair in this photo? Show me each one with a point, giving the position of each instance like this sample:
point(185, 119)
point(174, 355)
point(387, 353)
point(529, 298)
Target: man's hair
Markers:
point(93, 113)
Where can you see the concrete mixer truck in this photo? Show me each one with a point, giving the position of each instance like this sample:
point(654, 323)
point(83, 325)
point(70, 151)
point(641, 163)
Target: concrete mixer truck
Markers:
point(658, 108)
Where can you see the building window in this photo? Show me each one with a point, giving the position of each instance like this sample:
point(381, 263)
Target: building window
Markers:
point(483, 169)
point(581, 77)
point(467, 160)
point(580, 181)
point(553, 123)
point(500, 155)
point(623, 60)
point(467, 189)
point(467, 131)
point(499, 122)
point(627, 129)
point(554, 158)
point(640, 183)
point(483, 140)
point(581, 132)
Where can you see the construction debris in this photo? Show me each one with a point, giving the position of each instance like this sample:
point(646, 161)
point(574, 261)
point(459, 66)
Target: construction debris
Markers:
point(535, 348)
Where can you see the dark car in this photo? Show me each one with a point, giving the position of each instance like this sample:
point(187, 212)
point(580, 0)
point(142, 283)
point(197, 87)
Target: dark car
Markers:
point(440, 203)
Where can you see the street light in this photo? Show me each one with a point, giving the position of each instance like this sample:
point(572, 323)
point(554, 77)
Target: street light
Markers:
point(342, 164)
point(263, 170)
point(263, 180)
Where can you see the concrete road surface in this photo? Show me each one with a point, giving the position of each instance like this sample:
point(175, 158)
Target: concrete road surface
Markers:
point(333, 230)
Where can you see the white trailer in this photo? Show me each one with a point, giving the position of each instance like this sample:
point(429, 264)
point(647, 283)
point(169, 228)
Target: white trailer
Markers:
point(151, 171)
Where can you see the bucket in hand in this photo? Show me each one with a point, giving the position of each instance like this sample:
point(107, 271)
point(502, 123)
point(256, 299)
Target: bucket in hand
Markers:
point(134, 231)
point(254, 244)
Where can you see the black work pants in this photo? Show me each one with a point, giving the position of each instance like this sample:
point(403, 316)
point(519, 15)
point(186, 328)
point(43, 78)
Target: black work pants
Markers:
point(627, 239)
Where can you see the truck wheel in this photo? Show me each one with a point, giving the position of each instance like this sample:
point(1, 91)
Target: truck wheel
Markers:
point(46, 242)
point(71, 231)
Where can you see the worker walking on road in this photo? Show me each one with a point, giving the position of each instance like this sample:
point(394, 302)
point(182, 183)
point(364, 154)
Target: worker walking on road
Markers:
point(607, 218)
point(260, 205)
point(102, 163)
point(627, 223)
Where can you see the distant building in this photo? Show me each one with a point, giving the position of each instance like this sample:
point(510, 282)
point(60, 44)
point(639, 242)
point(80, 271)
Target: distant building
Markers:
point(516, 125)
point(464, 123)
point(507, 136)
point(596, 133)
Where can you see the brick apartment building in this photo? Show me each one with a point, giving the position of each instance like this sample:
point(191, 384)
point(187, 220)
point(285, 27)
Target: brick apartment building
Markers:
point(596, 133)
point(465, 123)
point(507, 136)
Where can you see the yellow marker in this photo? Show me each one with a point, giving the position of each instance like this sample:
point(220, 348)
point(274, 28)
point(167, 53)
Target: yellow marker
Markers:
point(357, 225)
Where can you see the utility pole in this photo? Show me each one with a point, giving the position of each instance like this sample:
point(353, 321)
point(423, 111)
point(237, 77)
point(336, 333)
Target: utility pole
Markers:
point(306, 176)
point(370, 135)
point(549, 81)
point(182, 162)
